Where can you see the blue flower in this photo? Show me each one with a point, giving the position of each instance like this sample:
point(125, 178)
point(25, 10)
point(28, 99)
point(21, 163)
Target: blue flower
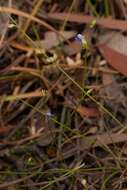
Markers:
point(83, 41)
point(49, 114)
point(79, 38)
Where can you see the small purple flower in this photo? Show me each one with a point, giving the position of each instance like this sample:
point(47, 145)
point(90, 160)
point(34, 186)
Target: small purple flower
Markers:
point(79, 38)
point(49, 116)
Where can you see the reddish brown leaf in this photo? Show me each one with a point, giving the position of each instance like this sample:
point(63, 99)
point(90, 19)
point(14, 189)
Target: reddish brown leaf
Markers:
point(117, 60)
point(5, 129)
point(78, 18)
point(51, 151)
point(88, 112)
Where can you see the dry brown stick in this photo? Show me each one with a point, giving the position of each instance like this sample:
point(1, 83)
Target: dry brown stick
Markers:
point(33, 13)
point(7, 184)
point(32, 18)
point(5, 28)
point(34, 94)
point(26, 15)
point(96, 141)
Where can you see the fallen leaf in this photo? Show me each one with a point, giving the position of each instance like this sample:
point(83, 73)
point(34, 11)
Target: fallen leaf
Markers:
point(52, 39)
point(72, 49)
point(78, 18)
point(115, 99)
point(114, 40)
point(5, 129)
point(92, 130)
point(117, 60)
point(88, 112)
point(70, 61)
point(46, 138)
point(44, 126)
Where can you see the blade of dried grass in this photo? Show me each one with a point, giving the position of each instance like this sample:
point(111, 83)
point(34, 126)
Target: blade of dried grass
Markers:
point(5, 28)
point(19, 180)
point(31, 71)
point(32, 18)
point(35, 94)
point(34, 72)
point(97, 141)
point(33, 13)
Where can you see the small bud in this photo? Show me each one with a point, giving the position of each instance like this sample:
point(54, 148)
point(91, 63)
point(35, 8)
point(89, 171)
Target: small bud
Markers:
point(93, 23)
point(84, 182)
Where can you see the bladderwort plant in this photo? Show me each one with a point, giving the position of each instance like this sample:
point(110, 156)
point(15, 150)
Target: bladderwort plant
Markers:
point(86, 93)
point(85, 46)
point(81, 39)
